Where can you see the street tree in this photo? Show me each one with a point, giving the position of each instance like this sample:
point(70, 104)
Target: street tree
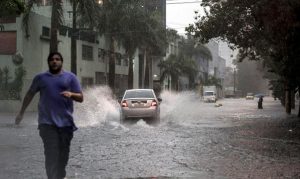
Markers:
point(87, 13)
point(260, 29)
point(170, 70)
point(127, 23)
point(138, 33)
point(110, 24)
point(154, 45)
point(192, 50)
point(10, 8)
point(174, 67)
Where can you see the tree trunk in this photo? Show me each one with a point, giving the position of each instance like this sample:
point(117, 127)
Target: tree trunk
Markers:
point(112, 64)
point(147, 72)
point(299, 109)
point(293, 99)
point(130, 73)
point(144, 68)
point(169, 81)
point(54, 26)
point(288, 97)
point(73, 41)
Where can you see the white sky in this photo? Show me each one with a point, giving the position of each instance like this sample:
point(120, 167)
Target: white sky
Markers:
point(182, 14)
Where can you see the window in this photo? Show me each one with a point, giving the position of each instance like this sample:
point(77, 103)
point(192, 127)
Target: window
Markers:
point(45, 31)
point(87, 52)
point(101, 55)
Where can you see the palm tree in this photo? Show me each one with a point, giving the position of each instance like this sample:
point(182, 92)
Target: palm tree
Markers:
point(124, 21)
point(155, 46)
point(127, 22)
point(110, 21)
point(170, 69)
point(134, 33)
point(88, 14)
point(56, 22)
point(212, 80)
point(188, 67)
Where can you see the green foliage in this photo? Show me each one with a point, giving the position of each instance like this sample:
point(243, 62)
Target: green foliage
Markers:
point(11, 90)
point(131, 25)
point(175, 66)
point(191, 47)
point(213, 81)
point(172, 35)
point(11, 7)
point(260, 29)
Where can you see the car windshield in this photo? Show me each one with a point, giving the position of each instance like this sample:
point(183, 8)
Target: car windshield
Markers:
point(208, 93)
point(139, 94)
point(249, 94)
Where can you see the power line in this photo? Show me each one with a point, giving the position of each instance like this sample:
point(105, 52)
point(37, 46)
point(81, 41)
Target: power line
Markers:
point(186, 2)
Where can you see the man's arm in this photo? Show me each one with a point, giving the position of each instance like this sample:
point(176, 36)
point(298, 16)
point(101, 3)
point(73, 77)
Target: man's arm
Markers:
point(75, 96)
point(27, 99)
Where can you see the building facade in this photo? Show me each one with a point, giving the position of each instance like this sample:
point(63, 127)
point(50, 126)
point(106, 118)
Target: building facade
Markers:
point(29, 53)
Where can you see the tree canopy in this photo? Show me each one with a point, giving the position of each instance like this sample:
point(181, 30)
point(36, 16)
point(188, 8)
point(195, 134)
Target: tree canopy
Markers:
point(260, 29)
point(11, 7)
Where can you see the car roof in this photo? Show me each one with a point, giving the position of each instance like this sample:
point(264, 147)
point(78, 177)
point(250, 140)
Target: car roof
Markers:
point(140, 89)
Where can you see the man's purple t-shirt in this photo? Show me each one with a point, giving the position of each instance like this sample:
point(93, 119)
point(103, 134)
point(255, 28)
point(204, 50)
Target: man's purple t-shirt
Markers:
point(54, 108)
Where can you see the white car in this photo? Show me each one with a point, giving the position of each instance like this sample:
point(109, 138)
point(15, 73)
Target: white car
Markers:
point(249, 96)
point(140, 104)
point(209, 96)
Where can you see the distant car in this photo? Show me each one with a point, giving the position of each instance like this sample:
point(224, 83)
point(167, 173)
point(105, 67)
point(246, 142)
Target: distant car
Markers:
point(250, 96)
point(209, 96)
point(140, 104)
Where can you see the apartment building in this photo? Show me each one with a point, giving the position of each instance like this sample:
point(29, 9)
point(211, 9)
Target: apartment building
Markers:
point(19, 52)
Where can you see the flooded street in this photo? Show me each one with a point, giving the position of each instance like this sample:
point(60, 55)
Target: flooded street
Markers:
point(194, 139)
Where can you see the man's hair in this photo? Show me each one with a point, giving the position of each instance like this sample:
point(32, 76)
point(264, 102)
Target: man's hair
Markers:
point(55, 53)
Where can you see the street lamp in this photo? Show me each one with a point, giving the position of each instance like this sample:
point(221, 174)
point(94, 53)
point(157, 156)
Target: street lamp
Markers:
point(100, 2)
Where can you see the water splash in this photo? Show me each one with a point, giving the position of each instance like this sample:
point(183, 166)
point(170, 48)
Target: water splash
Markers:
point(98, 107)
point(143, 124)
point(180, 108)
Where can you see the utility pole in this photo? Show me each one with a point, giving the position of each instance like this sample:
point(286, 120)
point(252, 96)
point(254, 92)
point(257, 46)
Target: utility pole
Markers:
point(234, 74)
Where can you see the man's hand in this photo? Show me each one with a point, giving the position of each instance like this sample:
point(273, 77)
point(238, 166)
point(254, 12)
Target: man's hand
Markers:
point(18, 119)
point(75, 96)
point(66, 94)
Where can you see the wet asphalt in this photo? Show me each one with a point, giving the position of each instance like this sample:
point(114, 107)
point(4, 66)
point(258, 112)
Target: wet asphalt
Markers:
point(193, 140)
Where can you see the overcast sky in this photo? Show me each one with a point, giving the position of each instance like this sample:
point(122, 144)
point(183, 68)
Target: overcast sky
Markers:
point(180, 13)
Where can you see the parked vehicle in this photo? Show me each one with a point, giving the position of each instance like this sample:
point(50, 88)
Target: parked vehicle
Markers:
point(209, 94)
point(140, 104)
point(249, 96)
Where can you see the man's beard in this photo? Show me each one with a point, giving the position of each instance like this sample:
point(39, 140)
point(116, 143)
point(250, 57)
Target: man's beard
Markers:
point(55, 70)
